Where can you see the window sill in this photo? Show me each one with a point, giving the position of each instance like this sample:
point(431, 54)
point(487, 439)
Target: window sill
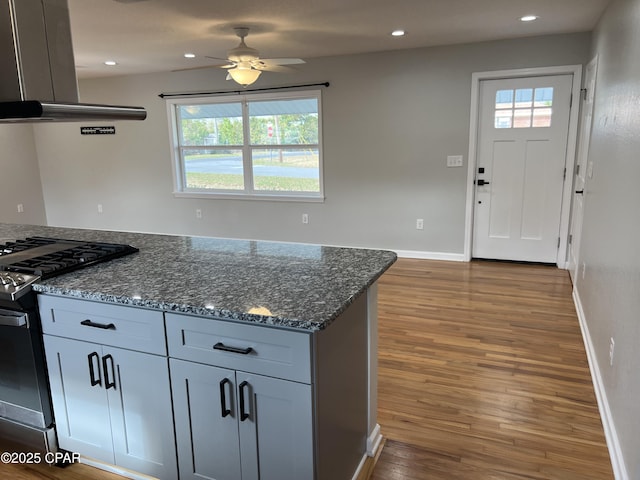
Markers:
point(241, 196)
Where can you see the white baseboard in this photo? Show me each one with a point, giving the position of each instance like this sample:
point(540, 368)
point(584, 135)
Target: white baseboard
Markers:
point(452, 257)
point(123, 472)
point(373, 441)
point(613, 443)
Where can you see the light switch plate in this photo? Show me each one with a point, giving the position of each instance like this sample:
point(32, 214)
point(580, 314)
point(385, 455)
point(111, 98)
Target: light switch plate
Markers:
point(454, 161)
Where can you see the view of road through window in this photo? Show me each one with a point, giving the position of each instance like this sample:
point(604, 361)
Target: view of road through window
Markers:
point(273, 169)
point(263, 145)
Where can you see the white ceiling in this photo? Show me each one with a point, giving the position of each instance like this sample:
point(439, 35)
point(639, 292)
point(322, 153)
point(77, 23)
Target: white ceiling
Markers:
point(153, 35)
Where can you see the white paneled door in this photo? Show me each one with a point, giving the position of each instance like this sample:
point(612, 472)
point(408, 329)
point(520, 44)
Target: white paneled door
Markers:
point(582, 168)
point(522, 145)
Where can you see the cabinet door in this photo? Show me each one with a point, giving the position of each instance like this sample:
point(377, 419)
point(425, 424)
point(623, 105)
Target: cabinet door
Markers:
point(140, 406)
point(206, 417)
point(276, 428)
point(81, 409)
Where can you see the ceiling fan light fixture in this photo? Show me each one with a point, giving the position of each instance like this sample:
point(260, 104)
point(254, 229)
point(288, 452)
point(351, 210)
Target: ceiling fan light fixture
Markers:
point(244, 76)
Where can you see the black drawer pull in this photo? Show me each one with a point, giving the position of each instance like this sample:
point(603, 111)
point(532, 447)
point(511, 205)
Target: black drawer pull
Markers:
point(107, 383)
point(223, 397)
point(242, 351)
point(92, 372)
point(105, 326)
point(243, 415)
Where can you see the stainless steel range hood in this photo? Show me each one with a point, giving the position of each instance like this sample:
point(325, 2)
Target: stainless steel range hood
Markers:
point(38, 77)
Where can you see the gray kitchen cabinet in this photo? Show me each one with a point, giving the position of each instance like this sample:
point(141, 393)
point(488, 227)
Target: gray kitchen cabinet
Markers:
point(276, 439)
point(110, 404)
point(81, 410)
point(233, 425)
point(206, 417)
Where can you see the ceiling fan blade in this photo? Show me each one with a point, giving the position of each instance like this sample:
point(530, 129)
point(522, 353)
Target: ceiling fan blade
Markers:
point(274, 68)
point(281, 61)
point(194, 68)
point(217, 58)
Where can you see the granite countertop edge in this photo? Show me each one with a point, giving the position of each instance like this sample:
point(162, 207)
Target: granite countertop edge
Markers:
point(223, 314)
point(280, 284)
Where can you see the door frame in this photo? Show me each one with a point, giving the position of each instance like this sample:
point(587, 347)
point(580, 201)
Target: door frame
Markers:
point(570, 156)
point(582, 154)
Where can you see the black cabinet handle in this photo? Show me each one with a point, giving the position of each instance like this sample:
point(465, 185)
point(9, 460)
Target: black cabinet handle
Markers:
point(222, 346)
point(92, 372)
point(243, 415)
point(107, 383)
point(223, 398)
point(581, 192)
point(105, 326)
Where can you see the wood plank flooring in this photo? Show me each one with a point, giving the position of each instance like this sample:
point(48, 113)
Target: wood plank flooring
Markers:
point(482, 376)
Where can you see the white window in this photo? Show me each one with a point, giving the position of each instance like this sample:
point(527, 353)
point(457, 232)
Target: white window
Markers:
point(524, 108)
point(248, 146)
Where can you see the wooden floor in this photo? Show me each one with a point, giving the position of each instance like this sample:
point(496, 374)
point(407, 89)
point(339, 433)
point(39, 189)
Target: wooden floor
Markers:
point(482, 376)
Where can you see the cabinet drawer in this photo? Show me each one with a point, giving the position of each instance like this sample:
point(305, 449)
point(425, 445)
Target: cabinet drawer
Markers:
point(250, 348)
point(129, 327)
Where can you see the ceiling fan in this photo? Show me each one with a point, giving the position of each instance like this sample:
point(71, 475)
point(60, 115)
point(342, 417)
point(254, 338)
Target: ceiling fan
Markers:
point(245, 64)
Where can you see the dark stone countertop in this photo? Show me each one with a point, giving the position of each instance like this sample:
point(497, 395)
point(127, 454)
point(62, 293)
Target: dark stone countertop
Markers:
point(288, 285)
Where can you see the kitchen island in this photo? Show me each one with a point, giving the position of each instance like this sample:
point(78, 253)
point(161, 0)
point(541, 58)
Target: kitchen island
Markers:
point(280, 331)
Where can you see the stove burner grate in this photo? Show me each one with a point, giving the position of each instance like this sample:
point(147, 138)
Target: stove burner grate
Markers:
point(47, 257)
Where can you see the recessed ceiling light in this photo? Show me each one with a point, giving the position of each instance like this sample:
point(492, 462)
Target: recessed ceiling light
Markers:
point(111, 63)
point(528, 18)
point(398, 33)
point(189, 55)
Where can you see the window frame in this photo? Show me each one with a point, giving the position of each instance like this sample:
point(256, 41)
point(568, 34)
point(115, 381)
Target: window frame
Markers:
point(180, 189)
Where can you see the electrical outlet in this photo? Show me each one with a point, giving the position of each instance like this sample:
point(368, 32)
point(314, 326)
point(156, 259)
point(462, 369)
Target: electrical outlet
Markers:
point(198, 213)
point(99, 208)
point(419, 224)
point(20, 208)
point(305, 218)
point(612, 347)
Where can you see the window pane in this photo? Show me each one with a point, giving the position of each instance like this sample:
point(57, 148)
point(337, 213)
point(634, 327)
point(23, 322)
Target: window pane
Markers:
point(542, 117)
point(213, 169)
point(504, 118)
point(522, 118)
point(524, 97)
point(284, 122)
point(504, 99)
point(217, 124)
point(543, 97)
point(286, 170)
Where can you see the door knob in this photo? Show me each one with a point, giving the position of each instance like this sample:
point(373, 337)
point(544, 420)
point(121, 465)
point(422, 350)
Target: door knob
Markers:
point(482, 182)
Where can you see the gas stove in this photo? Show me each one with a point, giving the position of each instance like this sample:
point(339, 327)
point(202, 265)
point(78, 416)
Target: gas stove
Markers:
point(23, 262)
point(25, 403)
point(13, 284)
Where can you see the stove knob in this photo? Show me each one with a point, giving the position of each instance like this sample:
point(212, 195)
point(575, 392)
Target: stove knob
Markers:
point(17, 280)
point(5, 279)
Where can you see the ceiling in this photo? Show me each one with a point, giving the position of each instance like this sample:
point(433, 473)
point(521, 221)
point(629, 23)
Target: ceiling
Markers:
point(145, 36)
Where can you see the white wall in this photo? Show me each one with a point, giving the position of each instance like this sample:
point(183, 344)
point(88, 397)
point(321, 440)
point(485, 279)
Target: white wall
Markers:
point(610, 290)
point(20, 177)
point(390, 120)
